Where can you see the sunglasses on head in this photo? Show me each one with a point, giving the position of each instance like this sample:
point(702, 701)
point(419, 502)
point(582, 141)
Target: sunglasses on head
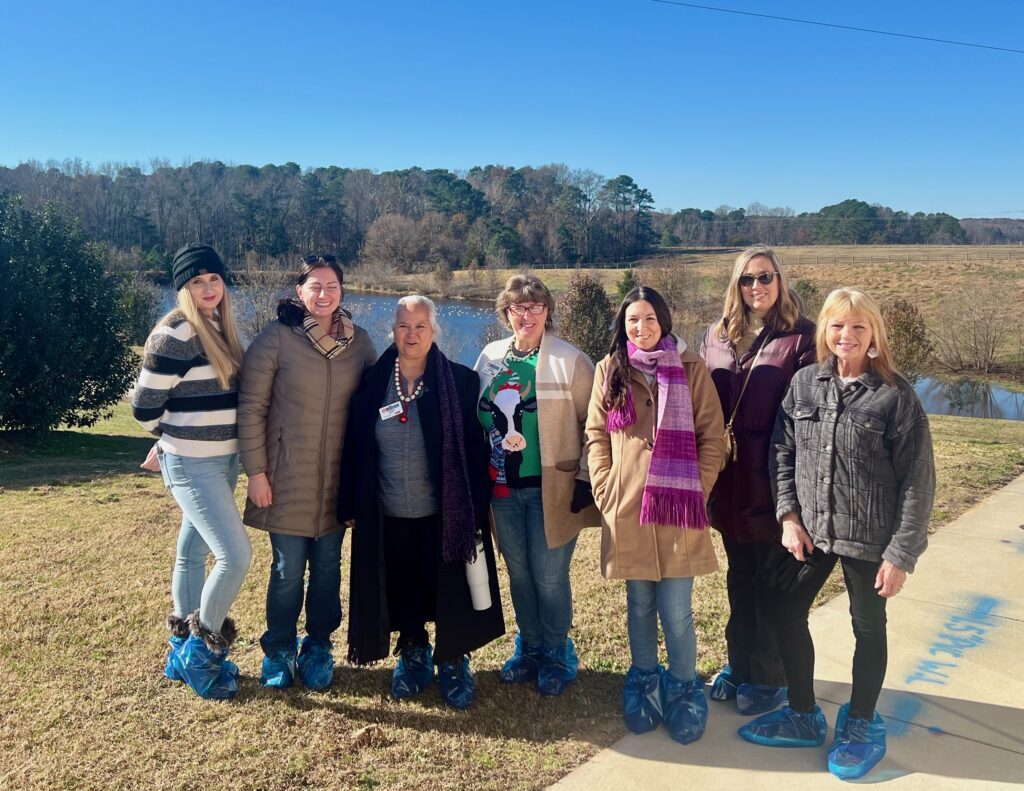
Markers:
point(309, 260)
point(765, 278)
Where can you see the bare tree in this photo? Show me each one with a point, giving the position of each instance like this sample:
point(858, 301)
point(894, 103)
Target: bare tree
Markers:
point(259, 289)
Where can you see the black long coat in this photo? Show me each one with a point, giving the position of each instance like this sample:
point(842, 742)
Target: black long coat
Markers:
point(460, 628)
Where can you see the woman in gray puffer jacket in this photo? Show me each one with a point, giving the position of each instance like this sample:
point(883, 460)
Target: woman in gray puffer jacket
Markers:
point(854, 480)
point(297, 380)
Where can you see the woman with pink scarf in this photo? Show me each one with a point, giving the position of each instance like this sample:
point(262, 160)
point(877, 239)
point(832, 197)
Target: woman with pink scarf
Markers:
point(654, 446)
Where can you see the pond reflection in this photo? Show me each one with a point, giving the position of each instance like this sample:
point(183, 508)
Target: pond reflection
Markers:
point(969, 398)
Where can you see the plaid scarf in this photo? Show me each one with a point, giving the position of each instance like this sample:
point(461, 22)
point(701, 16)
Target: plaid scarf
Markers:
point(672, 492)
point(458, 524)
point(333, 343)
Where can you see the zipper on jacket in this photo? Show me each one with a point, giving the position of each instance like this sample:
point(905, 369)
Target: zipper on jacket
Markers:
point(323, 440)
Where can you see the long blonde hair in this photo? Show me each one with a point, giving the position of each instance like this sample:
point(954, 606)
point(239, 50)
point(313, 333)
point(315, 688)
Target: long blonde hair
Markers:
point(846, 301)
point(735, 322)
point(223, 349)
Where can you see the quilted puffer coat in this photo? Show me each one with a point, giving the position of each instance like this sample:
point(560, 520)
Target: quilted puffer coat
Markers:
point(292, 414)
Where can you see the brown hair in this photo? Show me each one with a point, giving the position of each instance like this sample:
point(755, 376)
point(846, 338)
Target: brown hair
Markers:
point(618, 353)
point(524, 288)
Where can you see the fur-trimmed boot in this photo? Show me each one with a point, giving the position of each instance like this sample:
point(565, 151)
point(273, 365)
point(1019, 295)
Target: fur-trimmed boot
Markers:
point(178, 628)
point(201, 660)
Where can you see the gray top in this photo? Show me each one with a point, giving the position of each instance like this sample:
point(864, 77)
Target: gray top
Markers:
point(404, 478)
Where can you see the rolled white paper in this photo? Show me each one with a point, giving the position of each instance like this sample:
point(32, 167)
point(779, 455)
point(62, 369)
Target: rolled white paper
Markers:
point(476, 576)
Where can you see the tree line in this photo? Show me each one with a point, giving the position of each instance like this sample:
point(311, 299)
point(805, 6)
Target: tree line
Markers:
point(416, 219)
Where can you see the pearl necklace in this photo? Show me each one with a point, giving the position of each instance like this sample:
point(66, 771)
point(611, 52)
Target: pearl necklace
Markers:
point(518, 355)
point(405, 399)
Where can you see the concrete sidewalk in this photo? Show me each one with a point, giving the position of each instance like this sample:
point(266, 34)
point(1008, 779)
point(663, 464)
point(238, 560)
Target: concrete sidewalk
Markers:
point(954, 694)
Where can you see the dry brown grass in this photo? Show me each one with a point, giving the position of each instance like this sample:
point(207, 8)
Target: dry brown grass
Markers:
point(88, 543)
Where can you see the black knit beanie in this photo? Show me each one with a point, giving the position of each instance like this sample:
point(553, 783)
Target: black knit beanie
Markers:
point(193, 260)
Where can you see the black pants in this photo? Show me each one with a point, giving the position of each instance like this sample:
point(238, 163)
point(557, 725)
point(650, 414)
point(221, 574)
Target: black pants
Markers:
point(789, 611)
point(753, 647)
point(410, 555)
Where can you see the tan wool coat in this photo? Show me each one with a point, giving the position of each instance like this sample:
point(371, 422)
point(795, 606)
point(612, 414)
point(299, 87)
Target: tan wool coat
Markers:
point(292, 415)
point(618, 470)
point(565, 377)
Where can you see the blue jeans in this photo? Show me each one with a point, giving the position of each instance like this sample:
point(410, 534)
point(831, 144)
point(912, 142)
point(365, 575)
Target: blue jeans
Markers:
point(538, 576)
point(671, 599)
point(204, 490)
point(284, 591)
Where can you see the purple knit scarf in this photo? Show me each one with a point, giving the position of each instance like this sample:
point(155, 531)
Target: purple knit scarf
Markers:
point(458, 525)
point(672, 491)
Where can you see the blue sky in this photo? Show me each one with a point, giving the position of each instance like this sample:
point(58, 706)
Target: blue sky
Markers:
point(701, 108)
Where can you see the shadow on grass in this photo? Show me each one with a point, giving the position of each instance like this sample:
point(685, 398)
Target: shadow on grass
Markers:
point(590, 710)
point(63, 457)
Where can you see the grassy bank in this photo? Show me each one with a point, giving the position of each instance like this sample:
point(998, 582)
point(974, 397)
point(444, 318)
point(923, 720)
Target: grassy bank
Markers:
point(88, 542)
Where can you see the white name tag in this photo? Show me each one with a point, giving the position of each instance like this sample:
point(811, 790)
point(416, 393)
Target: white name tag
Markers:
point(390, 411)
point(492, 369)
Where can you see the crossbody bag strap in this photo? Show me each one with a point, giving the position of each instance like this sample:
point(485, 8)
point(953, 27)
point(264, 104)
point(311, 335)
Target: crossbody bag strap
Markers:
point(746, 381)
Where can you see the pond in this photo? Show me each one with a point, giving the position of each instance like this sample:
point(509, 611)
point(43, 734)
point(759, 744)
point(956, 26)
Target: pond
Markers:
point(969, 398)
point(464, 324)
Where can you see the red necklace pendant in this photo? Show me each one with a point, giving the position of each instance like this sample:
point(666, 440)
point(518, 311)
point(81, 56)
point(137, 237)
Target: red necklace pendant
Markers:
point(403, 418)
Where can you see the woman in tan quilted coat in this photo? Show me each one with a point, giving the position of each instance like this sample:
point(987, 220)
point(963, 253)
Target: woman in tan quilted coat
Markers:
point(297, 380)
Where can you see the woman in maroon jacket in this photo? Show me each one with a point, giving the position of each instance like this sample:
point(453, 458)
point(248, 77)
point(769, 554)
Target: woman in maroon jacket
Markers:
point(762, 333)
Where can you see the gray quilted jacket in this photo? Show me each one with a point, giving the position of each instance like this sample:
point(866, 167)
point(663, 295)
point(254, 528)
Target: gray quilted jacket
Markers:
point(855, 461)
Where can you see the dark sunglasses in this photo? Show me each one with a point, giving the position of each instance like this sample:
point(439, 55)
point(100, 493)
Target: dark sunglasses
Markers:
point(309, 260)
point(765, 278)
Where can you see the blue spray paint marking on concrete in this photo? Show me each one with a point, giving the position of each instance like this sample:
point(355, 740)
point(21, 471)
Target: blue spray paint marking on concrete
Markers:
point(902, 714)
point(961, 632)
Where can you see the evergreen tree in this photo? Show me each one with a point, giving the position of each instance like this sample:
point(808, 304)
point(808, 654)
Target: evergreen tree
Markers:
point(64, 356)
point(585, 315)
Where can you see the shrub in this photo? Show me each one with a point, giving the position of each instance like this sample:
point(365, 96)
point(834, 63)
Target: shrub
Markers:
point(908, 337)
point(585, 315)
point(628, 282)
point(141, 301)
point(64, 351)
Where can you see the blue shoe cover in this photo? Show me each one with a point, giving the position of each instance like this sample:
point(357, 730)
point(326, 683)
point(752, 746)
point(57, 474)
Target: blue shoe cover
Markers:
point(316, 663)
point(169, 670)
point(684, 706)
point(458, 687)
point(759, 698)
point(842, 718)
point(787, 728)
point(861, 749)
point(413, 673)
point(558, 668)
point(725, 684)
point(522, 665)
point(204, 671)
point(278, 670)
point(642, 699)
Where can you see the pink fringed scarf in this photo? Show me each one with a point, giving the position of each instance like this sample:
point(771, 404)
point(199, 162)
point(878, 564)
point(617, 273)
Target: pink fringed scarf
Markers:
point(672, 491)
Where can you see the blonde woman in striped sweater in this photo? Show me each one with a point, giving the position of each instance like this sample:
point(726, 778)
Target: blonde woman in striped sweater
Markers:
point(187, 395)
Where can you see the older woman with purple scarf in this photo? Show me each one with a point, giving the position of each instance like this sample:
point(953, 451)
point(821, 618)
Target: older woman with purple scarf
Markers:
point(654, 446)
point(416, 485)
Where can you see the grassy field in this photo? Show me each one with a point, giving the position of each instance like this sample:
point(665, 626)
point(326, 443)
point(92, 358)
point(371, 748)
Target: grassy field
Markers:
point(88, 543)
point(938, 280)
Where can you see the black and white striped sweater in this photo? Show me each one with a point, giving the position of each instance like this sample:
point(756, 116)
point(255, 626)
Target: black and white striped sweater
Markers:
point(179, 398)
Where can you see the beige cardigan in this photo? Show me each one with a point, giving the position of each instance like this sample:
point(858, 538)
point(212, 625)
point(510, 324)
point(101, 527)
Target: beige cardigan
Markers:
point(565, 376)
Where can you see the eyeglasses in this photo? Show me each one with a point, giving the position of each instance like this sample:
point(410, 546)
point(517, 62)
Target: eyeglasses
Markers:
point(535, 309)
point(309, 260)
point(765, 278)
